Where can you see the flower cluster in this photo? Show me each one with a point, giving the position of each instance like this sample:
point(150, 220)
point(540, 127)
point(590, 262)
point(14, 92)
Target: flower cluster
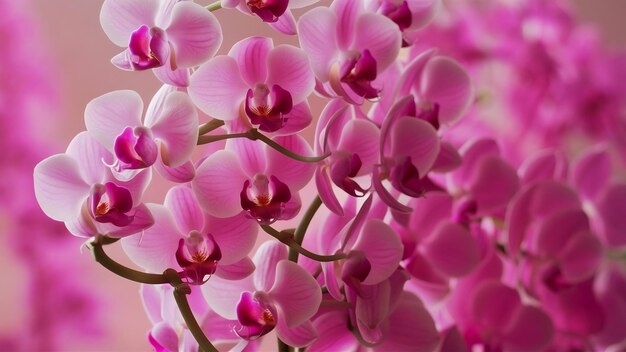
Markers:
point(418, 238)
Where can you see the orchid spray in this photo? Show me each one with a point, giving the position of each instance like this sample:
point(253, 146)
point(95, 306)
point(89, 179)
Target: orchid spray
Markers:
point(420, 237)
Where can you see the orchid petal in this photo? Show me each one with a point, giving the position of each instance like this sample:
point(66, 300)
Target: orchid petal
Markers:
point(119, 18)
point(361, 137)
point(217, 88)
point(380, 36)
point(592, 172)
point(251, 56)
point(194, 33)
point(333, 335)
point(382, 248)
point(531, 330)
point(223, 295)
point(326, 193)
point(251, 155)
point(91, 156)
point(296, 292)
point(236, 271)
point(297, 336)
point(183, 205)
point(180, 174)
point(235, 235)
point(452, 250)
point(294, 173)
point(289, 68)
point(107, 115)
point(317, 30)
point(417, 139)
point(611, 206)
point(266, 260)
point(286, 23)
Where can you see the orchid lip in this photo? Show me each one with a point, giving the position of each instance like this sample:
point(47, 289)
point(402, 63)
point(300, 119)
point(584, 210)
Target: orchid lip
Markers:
point(343, 169)
point(358, 73)
point(135, 149)
point(198, 256)
point(268, 10)
point(268, 108)
point(264, 199)
point(148, 48)
point(256, 314)
point(110, 203)
point(399, 14)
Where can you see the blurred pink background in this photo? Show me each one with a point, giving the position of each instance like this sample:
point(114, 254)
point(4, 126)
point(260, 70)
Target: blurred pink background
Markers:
point(78, 52)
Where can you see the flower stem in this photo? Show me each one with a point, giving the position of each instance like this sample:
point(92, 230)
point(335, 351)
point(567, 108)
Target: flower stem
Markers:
point(95, 246)
point(303, 226)
point(283, 347)
point(287, 238)
point(181, 290)
point(210, 126)
point(214, 6)
point(254, 134)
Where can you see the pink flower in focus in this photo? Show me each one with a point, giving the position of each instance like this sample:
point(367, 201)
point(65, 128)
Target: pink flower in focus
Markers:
point(277, 13)
point(264, 85)
point(169, 36)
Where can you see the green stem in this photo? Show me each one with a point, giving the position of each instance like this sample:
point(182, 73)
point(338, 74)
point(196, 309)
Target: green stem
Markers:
point(283, 347)
point(303, 226)
point(287, 238)
point(181, 290)
point(214, 6)
point(210, 126)
point(254, 135)
point(101, 257)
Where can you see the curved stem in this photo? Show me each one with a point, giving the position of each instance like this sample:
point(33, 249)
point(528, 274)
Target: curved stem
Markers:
point(287, 238)
point(181, 290)
point(210, 126)
point(303, 226)
point(220, 137)
point(95, 246)
point(279, 148)
point(214, 6)
point(283, 347)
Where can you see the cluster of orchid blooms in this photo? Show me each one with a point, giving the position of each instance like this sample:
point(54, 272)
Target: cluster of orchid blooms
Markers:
point(420, 237)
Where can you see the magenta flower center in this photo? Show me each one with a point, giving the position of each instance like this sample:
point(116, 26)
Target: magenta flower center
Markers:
point(267, 108)
point(268, 10)
point(344, 167)
point(264, 199)
point(110, 203)
point(359, 72)
point(148, 48)
point(198, 255)
point(135, 149)
point(398, 13)
point(256, 315)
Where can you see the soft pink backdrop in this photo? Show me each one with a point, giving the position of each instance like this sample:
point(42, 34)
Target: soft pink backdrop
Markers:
point(80, 51)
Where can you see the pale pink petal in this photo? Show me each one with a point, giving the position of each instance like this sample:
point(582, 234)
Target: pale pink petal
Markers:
point(581, 257)
point(452, 250)
point(119, 18)
point(592, 172)
point(418, 139)
point(177, 128)
point(286, 23)
point(164, 335)
point(288, 67)
point(251, 55)
point(136, 186)
point(194, 33)
point(218, 184)
point(218, 89)
point(251, 155)
point(155, 249)
point(611, 206)
point(107, 115)
point(446, 83)
point(531, 330)
point(493, 184)
point(176, 78)
point(296, 174)
point(223, 295)
point(380, 36)
point(334, 112)
point(180, 174)
point(59, 187)
point(183, 205)
point(91, 156)
point(296, 4)
point(333, 333)
point(325, 190)
point(235, 235)
point(83, 225)
point(412, 73)
point(296, 292)
point(317, 30)
point(154, 111)
point(266, 260)
point(382, 248)
point(448, 158)
point(411, 328)
point(297, 336)
point(236, 271)
point(361, 137)
point(396, 111)
point(347, 12)
point(151, 300)
point(423, 12)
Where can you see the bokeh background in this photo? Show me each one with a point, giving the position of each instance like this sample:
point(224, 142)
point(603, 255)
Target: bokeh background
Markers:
point(63, 43)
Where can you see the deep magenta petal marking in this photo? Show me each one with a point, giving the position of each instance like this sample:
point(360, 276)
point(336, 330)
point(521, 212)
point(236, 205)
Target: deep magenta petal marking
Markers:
point(198, 255)
point(266, 108)
point(256, 315)
point(343, 169)
point(264, 199)
point(406, 179)
point(135, 149)
point(358, 73)
point(148, 48)
point(109, 203)
point(399, 14)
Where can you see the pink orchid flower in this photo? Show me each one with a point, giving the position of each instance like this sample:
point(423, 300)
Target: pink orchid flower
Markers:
point(279, 295)
point(266, 86)
point(353, 147)
point(169, 131)
point(409, 15)
point(348, 47)
point(277, 13)
point(249, 176)
point(169, 36)
point(78, 189)
point(201, 245)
